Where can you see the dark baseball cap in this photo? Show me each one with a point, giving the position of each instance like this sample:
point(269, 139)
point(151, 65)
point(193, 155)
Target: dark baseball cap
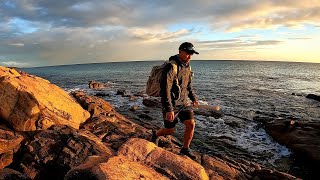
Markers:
point(187, 47)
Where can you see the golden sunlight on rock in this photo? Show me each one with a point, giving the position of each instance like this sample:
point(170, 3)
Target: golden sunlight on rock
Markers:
point(30, 102)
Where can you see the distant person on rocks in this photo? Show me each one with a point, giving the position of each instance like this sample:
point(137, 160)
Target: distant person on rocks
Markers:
point(174, 97)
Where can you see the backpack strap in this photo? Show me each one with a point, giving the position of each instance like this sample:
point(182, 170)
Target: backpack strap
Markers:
point(174, 66)
point(175, 72)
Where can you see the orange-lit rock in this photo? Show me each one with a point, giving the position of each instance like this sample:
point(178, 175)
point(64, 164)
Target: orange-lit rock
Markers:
point(219, 169)
point(30, 103)
point(117, 167)
point(174, 165)
point(9, 144)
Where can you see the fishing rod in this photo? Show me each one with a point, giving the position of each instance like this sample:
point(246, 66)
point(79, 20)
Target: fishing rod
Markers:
point(208, 107)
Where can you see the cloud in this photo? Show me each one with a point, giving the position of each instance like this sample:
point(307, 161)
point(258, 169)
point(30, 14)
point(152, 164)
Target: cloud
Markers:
point(64, 32)
point(16, 44)
point(301, 38)
point(83, 13)
point(271, 14)
point(236, 14)
point(14, 64)
point(146, 34)
point(65, 45)
point(238, 44)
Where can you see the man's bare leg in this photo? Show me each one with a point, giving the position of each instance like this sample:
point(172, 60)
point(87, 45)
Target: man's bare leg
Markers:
point(188, 133)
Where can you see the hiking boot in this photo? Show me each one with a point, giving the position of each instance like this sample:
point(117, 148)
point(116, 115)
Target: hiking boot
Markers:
point(154, 137)
point(187, 152)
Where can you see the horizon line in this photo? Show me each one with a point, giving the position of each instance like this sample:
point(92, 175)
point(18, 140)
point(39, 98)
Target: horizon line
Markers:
point(126, 61)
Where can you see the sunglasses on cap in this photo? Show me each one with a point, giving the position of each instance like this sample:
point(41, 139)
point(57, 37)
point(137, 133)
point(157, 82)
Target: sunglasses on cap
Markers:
point(189, 50)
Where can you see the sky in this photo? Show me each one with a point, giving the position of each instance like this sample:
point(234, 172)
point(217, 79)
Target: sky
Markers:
point(45, 33)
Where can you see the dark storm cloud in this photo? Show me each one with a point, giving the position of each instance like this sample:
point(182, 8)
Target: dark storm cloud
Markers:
point(84, 13)
point(233, 14)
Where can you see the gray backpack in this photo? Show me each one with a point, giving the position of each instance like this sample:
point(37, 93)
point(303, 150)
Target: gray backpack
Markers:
point(153, 83)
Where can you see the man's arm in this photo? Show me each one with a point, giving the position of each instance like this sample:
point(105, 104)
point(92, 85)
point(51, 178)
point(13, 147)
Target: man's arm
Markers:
point(165, 88)
point(191, 92)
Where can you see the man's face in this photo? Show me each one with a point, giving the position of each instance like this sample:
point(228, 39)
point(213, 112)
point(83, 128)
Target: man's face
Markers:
point(185, 56)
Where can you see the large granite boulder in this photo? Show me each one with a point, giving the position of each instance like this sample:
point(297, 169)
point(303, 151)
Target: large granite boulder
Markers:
point(220, 169)
point(51, 153)
point(31, 103)
point(117, 167)
point(170, 164)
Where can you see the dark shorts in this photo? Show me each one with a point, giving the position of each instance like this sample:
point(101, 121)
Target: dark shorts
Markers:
point(185, 114)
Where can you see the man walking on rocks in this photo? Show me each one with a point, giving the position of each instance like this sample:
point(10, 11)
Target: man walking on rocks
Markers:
point(175, 89)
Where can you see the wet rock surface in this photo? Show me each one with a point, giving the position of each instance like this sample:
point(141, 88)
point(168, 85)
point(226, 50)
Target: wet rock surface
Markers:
point(96, 85)
point(301, 136)
point(313, 96)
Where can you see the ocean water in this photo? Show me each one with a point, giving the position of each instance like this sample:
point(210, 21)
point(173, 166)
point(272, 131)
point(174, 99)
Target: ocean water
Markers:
point(244, 89)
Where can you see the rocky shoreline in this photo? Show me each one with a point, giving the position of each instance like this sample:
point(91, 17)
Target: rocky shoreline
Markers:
point(47, 133)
